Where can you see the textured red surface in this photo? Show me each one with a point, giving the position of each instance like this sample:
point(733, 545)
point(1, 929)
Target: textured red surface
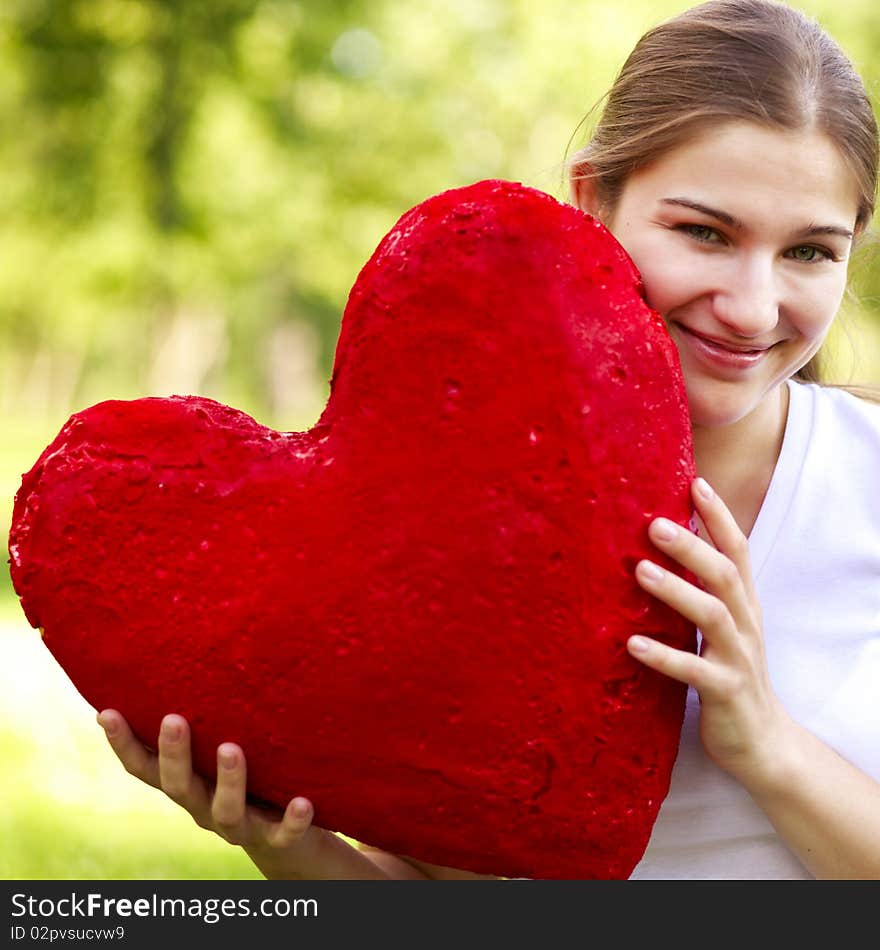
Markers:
point(415, 613)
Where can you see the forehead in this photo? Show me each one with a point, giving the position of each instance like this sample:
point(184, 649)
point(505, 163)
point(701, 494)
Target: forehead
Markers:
point(753, 173)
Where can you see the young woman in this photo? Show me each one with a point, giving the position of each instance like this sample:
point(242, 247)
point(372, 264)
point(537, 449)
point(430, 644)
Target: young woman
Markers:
point(736, 161)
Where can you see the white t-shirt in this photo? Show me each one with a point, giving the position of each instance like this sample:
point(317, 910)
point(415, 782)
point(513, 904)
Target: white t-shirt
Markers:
point(815, 553)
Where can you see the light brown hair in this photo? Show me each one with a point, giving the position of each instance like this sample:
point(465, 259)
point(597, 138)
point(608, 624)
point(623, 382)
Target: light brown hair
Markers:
point(728, 60)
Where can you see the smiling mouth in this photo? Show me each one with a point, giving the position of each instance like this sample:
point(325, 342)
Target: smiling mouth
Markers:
point(728, 347)
point(718, 356)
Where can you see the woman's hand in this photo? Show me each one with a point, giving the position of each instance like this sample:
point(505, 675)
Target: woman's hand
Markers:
point(741, 719)
point(282, 845)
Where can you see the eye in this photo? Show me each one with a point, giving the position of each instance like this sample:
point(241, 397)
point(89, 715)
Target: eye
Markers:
point(809, 254)
point(701, 232)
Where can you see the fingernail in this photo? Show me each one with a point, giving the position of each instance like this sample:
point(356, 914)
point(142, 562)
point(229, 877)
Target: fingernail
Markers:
point(108, 724)
point(650, 570)
point(664, 530)
point(227, 758)
point(703, 490)
point(638, 644)
point(171, 730)
point(300, 808)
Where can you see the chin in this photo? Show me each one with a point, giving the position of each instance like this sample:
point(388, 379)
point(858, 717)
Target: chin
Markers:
point(711, 408)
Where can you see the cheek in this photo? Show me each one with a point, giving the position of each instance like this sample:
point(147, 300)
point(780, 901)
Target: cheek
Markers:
point(668, 285)
point(815, 311)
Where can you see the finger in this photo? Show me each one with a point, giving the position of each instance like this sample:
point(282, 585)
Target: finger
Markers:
point(678, 664)
point(130, 751)
point(318, 847)
point(709, 613)
point(726, 534)
point(175, 768)
point(229, 807)
point(294, 824)
point(719, 575)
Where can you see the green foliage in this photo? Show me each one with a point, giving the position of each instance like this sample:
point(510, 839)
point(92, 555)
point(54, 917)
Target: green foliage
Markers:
point(185, 182)
point(48, 834)
point(43, 844)
point(189, 189)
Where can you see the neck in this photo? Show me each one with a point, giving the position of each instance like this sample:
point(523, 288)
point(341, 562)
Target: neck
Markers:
point(738, 460)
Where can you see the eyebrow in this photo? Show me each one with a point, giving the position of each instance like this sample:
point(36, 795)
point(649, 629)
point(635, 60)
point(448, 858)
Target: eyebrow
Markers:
point(733, 222)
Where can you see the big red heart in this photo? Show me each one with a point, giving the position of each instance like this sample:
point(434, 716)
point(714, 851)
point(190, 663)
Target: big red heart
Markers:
point(415, 613)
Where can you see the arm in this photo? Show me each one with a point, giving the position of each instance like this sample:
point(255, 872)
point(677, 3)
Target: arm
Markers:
point(282, 845)
point(825, 809)
point(394, 864)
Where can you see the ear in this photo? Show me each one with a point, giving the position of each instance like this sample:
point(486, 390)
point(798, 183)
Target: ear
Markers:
point(582, 188)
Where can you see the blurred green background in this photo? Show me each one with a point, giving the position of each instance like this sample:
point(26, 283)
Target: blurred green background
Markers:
point(188, 190)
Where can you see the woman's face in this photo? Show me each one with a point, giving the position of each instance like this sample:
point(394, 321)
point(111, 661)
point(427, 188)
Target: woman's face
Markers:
point(742, 237)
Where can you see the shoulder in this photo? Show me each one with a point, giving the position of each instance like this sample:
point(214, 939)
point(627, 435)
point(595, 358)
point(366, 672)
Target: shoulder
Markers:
point(828, 477)
point(838, 413)
point(840, 438)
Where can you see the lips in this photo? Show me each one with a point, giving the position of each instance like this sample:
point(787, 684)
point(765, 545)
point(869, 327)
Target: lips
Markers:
point(718, 354)
point(722, 344)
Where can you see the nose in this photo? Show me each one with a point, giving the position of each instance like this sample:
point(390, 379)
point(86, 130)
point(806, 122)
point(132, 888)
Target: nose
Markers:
point(748, 299)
